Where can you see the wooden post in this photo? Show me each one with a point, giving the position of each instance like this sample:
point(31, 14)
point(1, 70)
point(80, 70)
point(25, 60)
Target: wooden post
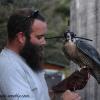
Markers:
point(85, 21)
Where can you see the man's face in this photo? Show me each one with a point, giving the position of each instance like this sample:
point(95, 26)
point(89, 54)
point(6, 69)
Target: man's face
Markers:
point(37, 36)
point(32, 51)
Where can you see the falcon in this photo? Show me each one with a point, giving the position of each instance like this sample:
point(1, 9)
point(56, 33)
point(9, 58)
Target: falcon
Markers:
point(82, 53)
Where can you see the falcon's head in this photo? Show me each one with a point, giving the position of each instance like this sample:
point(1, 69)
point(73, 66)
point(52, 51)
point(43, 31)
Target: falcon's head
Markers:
point(69, 36)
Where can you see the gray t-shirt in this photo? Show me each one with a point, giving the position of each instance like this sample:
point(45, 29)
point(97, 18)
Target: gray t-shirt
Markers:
point(18, 81)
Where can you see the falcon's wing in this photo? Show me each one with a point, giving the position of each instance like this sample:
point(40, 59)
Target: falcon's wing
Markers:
point(88, 50)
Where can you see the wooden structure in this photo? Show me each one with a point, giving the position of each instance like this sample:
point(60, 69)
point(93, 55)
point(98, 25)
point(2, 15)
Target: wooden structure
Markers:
point(85, 21)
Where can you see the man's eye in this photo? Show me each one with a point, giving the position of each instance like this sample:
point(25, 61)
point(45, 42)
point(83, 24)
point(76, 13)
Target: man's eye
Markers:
point(39, 37)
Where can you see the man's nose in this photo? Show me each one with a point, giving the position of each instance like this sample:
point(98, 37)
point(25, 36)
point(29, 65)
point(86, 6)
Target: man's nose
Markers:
point(43, 42)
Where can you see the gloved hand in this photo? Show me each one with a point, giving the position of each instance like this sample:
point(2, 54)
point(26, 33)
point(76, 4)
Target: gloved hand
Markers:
point(76, 81)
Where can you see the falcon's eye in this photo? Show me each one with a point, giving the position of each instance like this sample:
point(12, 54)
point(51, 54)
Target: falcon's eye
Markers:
point(68, 36)
point(72, 34)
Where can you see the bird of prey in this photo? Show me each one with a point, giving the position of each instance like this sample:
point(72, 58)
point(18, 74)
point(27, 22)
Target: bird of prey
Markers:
point(82, 53)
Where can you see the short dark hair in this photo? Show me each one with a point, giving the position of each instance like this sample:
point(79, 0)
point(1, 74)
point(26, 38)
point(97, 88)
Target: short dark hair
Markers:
point(21, 21)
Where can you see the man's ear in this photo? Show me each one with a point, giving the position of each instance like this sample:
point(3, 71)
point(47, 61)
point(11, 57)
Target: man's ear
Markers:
point(21, 37)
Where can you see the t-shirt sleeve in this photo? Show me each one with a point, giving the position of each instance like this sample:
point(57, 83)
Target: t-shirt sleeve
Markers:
point(13, 83)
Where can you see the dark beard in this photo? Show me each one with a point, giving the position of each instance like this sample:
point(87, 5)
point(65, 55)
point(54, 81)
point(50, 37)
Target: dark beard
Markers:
point(33, 55)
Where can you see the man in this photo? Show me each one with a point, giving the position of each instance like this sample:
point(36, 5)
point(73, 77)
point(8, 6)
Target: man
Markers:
point(21, 73)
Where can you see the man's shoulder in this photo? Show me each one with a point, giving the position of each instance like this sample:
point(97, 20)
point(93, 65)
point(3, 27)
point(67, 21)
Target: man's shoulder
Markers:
point(3, 59)
point(8, 58)
point(8, 62)
point(9, 66)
